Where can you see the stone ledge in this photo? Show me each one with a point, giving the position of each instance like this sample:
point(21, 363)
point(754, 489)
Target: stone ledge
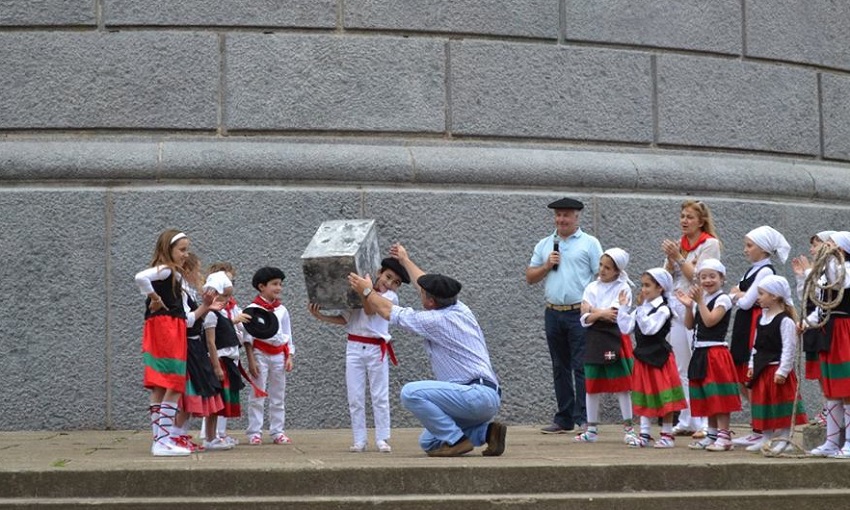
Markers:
point(436, 164)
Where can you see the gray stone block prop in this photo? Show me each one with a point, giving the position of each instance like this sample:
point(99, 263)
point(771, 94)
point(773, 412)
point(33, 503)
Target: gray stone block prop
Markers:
point(319, 82)
point(149, 80)
point(810, 32)
point(47, 12)
point(519, 18)
point(338, 248)
point(682, 24)
point(523, 90)
point(711, 102)
point(253, 13)
point(54, 348)
point(835, 97)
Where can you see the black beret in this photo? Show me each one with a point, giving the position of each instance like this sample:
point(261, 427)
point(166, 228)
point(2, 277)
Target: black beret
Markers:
point(266, 274)
point(566, 203)
point(397, 268)
point(439, 286)
point(263, 323)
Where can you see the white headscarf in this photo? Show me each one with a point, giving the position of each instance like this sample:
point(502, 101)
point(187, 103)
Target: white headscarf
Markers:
point(621, 260)
point(842, 239)
point(778, 286)
point(218, 281)
point(771, 241)
point(660, 275)
point(713, 264)
point(824, 235)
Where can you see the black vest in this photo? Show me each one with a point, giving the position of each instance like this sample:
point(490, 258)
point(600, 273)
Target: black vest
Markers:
point(197, 328)
point(768, 345)
point(742, 326)
point(717, 333)
point(654, 349)
point(172, 298)
point(225, 332)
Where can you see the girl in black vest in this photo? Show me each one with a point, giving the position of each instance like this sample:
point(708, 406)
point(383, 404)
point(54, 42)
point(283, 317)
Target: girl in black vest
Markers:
point(759, 245)
point(835, 355)
point(771, 366)
point(656, 388)
point(714, 383)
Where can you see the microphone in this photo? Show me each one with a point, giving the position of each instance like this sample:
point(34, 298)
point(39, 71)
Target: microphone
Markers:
point(555, 267)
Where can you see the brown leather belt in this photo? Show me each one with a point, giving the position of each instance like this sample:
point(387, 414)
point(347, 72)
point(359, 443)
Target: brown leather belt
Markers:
point(563, 308)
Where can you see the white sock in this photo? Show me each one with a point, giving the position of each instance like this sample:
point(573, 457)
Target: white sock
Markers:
point(167, 411)
point(221, 427)
point(667, 428)
point(592, 400)
point(834, 421)
point(846, 422)
point(646, 425)
point(625, 399)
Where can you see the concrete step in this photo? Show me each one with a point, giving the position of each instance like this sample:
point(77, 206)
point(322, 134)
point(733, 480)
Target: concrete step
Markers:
point(695, 500)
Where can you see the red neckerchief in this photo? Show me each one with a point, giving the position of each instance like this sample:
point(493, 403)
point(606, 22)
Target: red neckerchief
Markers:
point(265, 304)
point(231, 304)
point(686, 245)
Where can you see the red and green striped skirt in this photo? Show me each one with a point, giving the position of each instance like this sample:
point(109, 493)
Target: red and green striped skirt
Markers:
point(717, 393)
point(772, 403)
point(835, 363)
point(164, 352)
point(615, 377)
point(657, 391)
point(812, 365)
point(230, 387)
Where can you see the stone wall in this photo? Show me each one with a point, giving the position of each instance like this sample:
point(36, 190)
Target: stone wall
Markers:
point(452, 123)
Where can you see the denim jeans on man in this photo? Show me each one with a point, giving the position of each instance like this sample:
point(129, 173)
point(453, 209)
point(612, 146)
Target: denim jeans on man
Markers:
point(565, 336)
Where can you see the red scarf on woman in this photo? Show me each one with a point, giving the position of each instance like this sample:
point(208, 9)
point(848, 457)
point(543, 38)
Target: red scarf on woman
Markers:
point(686, 245)
point(265, 304)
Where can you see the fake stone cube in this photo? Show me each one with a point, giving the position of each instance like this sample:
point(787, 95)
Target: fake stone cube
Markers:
point(340, 247)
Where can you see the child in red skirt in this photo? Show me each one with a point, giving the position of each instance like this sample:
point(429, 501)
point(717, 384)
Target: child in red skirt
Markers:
point(203, 391)
point(759, 245)
point(608, 352)
point(222, 341)
point(656, 388)
point(811, 337)
point(834, 355)
point(771, 367)
point(713, 380)
point(164, 341)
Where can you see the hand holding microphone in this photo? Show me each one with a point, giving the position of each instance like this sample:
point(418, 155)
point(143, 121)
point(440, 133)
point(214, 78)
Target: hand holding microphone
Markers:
point(555, 249)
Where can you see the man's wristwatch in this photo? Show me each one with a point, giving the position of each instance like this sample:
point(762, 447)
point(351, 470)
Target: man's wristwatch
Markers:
point(367, 291)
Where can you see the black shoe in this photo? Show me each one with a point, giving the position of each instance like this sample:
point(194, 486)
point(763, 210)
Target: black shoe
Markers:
point(556, 429)
point(496, 433)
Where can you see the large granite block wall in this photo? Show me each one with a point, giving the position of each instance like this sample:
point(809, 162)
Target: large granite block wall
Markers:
point(450, 122)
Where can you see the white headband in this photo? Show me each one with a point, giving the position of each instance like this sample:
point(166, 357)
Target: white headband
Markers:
point(778, 286)
point(842, 239)
point(177, 237)
point(771, 241)
point(660, 275)
point(218, 281)
point(712, 264)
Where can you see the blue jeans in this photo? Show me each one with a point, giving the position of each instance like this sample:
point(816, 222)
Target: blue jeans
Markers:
point(565, 336)
point(449, 411)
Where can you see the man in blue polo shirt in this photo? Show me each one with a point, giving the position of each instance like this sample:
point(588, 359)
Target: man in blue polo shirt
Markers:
point(566, 261)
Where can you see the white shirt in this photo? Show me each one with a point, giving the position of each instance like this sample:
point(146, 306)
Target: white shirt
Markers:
point(789, 343)
point(284, 330)
point(640, 317)
point(709, 249)
point(359, 323)
point(749, 298)
point(831, 277)
point(604, 295)
point(145, 279)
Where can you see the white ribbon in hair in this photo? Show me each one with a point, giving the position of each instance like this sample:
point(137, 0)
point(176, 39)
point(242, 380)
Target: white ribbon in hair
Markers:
point(177, 237)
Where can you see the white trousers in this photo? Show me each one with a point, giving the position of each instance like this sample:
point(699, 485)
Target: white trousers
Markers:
point(363, 364)
point(680, 340)
point(272, 379)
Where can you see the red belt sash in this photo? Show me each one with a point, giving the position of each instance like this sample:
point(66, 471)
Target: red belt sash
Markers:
point(270, 349)
point(386, 347)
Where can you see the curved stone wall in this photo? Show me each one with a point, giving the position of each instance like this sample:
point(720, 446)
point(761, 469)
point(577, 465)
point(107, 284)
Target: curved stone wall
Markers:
point(452, 123)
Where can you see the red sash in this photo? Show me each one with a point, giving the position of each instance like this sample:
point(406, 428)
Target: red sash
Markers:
point(270, 349)
point(386, 347)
